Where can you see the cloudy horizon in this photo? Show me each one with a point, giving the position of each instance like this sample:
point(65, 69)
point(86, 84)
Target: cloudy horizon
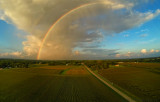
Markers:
point(83, 29)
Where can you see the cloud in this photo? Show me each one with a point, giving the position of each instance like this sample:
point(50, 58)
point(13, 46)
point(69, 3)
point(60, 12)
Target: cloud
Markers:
point(99, 53)
point(144, 30)
point(143, 35)
point(12, 54)
point(142, 54)
point(126, 35)
point(128, 54)
point(117, 55)
point(83, 26)
point(152, 53)
point(143, 51)
point(4, 54)
point(147, 41)
point(31, 46)
point(77, 52)
point(152, 50)
point(16, 53)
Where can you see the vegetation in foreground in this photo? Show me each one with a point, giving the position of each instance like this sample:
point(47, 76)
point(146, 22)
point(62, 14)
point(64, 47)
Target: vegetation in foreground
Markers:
point(141, 79)
point(18, 78)
point(43, 83)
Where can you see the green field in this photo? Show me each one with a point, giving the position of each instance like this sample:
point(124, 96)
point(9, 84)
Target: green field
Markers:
point(53, 84)
point(141, 79)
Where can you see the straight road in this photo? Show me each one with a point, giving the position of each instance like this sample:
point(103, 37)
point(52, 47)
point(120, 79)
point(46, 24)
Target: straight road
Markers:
point(111, 86)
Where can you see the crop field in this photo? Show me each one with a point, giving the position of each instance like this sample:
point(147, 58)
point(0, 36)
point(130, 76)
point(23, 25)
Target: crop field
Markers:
point(53, 84)
point(141, 79)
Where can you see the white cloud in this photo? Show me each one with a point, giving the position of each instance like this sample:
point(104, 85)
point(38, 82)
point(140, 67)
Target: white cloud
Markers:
point(144, 51)
point(31, 46)
point(12, 54)
point(16, 53)
point(37, 16)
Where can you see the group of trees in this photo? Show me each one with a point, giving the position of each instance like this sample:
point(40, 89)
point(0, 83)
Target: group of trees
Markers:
point(13, 64)
point(100, 64)
point(152, 59)
point(94, 64)
point(17, 63)
point(64, 62)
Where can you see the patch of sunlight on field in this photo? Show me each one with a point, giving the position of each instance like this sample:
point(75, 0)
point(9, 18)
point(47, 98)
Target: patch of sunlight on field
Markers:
point(77, 71)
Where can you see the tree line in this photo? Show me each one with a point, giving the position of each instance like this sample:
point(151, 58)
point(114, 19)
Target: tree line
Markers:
point(99, 64)
point(94, 64)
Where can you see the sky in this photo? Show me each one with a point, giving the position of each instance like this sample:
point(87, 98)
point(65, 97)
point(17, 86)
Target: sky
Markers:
point(79, 29)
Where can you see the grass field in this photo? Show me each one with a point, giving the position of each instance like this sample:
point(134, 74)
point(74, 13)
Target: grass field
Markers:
point(141, 79)
point(53, 84)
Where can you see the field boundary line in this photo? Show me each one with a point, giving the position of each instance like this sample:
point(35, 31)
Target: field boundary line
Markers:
point(64, 71)
point(110, 86)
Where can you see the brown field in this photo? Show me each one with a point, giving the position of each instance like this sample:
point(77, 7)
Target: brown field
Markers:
point(72, 84)
point(55, 67)
point(77, 71)
point(153, 67)
point(138, 79)
point(46, 66)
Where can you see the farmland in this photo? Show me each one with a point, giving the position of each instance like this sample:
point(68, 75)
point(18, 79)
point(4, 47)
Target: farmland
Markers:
point(141, 79)
point(43, 83)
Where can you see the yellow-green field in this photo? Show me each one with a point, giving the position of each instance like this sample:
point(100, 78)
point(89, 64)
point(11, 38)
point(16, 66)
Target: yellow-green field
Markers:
point(141, 79)
point(44, 83)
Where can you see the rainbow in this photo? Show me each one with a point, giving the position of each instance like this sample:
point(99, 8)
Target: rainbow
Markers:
point(61, 18)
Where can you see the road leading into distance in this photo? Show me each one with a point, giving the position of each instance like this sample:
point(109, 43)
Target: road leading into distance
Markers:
point(111, 86)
